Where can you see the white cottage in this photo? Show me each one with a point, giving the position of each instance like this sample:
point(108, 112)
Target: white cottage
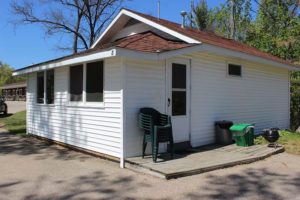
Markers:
point(91, 99)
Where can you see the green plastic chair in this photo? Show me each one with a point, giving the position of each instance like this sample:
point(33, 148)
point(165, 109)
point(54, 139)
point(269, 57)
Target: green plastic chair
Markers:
point(157, 129)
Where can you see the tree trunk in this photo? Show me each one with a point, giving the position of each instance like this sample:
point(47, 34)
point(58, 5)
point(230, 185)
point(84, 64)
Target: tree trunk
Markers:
point(232, 20)
point(75, 39)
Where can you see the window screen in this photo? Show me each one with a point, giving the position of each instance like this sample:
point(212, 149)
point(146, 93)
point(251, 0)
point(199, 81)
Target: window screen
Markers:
point(50, 87)
point(76, 81)
point(94, 82)
point(234, 70)
point(40, 87)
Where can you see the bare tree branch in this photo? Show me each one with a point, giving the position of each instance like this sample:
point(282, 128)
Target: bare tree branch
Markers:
point(83, 20)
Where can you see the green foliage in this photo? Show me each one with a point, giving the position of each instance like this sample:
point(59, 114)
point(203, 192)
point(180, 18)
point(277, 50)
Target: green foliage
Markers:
point(276, 29)
point(218, 18)
point(201, 15)
point(241, 19)
point(6, 75)
point(260, 140)
point(295, 102)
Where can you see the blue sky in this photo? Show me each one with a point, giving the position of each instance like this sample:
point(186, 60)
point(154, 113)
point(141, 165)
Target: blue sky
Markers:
point(25, 45)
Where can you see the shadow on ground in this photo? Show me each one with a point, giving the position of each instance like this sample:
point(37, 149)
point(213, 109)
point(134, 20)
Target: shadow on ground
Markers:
point(97, 185)
point(5, 116)
point(107, 182)
point(259, 183)
point(26, 145)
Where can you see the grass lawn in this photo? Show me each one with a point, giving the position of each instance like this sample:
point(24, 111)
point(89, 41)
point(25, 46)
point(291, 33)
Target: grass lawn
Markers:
point(290, 140)
point(15, 123)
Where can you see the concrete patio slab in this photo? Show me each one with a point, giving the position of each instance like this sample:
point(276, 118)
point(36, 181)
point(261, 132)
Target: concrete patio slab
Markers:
point(200, 160)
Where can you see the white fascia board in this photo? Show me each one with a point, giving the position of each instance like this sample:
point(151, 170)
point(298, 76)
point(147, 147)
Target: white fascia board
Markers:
point(150, 23)
point(108, 28)
point(67, 62)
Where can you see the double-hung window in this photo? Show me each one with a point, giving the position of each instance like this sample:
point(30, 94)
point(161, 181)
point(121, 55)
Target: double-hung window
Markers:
point(86, 82)
point(45, 87)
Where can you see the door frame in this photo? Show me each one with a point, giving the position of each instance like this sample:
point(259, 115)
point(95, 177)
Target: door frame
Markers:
point(168, 89)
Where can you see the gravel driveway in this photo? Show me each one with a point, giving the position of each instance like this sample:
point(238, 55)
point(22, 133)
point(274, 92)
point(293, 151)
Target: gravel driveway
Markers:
point(15, 106)
point(32, 169)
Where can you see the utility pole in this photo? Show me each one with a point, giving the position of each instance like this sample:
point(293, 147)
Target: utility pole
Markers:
point(158, 9)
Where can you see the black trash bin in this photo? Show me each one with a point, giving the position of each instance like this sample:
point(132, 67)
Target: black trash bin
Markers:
point(223, 134)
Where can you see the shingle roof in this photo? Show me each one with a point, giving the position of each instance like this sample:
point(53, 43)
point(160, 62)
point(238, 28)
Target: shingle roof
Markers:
point(148, 42)
point(145, 42)
point(151, 42)
point(213, 39)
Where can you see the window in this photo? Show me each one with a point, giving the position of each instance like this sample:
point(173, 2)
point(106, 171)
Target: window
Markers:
point(94, 82)
point(179, 89)
point(76, 79)
point(86, 82)
point(234, 70)
point(45, 80)
point(50, 87)
point(40, 87)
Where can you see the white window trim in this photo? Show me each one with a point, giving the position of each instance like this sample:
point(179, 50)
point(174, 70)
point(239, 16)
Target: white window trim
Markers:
point(234, 76)
point(84, 103)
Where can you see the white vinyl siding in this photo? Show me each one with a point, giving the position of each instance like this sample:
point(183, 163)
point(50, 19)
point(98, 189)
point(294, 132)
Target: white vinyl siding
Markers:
point(92, 128)
point(145, 87)
point(260, 96)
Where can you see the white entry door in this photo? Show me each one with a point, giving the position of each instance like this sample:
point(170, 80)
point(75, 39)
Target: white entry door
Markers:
point(178, 98)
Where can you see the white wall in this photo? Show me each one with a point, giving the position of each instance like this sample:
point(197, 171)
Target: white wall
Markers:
point(145, 87)
point(261, 96)
point(96, 129)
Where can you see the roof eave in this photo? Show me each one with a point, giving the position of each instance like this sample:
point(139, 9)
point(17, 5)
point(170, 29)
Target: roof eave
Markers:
point(123, 52)
point(67, 62)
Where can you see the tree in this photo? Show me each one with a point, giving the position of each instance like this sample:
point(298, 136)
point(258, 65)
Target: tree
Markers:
point(200, 15)
point(277, 29)
point(232, 19)
point(6, 75)
point(83, 20)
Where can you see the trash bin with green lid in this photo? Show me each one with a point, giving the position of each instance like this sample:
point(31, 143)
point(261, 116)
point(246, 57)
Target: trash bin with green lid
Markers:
point(243, 134)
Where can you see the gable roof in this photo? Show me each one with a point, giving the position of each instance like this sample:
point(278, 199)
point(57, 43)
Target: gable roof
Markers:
point(211, 38)
point(151, 45)
point(148, 42)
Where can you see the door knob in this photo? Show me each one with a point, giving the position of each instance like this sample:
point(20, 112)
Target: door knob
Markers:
point(169, 102)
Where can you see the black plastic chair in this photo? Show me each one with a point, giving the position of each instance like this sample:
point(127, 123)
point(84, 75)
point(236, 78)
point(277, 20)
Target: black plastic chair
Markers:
point(157, 129)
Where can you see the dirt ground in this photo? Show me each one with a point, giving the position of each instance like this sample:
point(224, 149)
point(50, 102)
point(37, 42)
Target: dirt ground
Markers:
point(32, 169)
point(15, 106)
